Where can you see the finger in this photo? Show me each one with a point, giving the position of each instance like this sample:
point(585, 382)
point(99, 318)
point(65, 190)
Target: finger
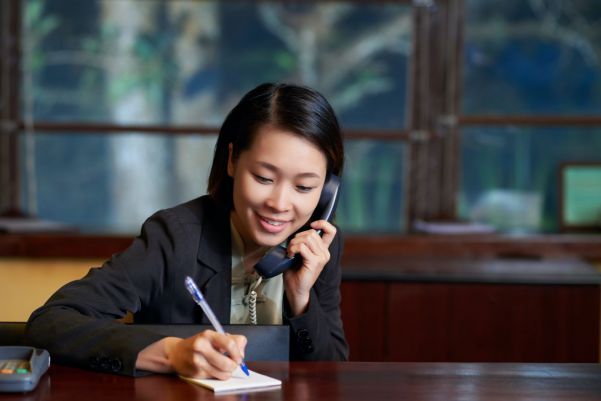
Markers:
point(217, 363)
point(234, 347)
point(222, 342)
point(241, 342)
point(197, 365)
point(209, 347)
point(227, 344)
point(299, 236)
point(206, 370)
point(302, 236)
point(293, 246)
point(312, 240)
point(318, 246)
point(315, 244)
point(328, 230)
point(310, 259)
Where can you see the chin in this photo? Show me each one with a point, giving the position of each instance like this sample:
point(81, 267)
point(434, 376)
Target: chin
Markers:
point(271, 241)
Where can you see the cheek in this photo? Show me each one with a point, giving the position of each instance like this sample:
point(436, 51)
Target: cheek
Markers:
point(250, 192)
point(307, 205)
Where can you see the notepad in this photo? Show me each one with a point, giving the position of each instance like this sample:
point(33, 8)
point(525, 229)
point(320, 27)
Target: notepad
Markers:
point(239, 382)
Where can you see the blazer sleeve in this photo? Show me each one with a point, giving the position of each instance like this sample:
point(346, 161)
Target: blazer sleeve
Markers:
point(78, 324)
point(318, 334)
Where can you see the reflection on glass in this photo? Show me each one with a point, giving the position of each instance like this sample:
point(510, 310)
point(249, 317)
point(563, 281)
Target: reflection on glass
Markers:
point(532, 57)
point(112, 183)
point(182, 62)
point(510, 175)
point(372, 188)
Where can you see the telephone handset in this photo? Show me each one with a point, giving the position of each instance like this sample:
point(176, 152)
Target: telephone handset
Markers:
point(275, 261)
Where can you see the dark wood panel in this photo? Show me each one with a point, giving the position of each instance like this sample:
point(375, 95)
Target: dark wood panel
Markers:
point(391, 246)
point(364, 317)
point(456, 322)
point(62, 245)
point(511, 323)
point(525, 323)
point(418, 322)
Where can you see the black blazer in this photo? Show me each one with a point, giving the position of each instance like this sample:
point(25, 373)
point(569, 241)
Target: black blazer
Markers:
point(78, 323)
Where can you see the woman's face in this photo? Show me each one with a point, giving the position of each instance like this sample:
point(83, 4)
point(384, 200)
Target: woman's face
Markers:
point(277, 183)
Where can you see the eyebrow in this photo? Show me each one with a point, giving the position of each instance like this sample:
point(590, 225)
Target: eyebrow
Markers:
point(273, 168)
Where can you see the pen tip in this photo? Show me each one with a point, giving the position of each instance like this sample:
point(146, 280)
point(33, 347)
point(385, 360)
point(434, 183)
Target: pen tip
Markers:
point(245, 369)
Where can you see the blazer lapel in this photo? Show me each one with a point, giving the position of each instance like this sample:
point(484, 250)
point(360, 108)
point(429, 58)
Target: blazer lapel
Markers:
point(215, 264)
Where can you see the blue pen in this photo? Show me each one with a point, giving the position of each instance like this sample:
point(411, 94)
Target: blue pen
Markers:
point(206, 308)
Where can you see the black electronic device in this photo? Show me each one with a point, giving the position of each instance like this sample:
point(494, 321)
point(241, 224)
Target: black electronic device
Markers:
point(21, 368)
point(276, 260)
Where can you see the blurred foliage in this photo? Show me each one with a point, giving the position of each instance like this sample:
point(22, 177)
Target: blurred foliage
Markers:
point(527, 58)
point(521, 57)
point(85, 68)
point(37, 25)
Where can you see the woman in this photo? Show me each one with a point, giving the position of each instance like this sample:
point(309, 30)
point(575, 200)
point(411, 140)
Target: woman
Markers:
point(275, 150)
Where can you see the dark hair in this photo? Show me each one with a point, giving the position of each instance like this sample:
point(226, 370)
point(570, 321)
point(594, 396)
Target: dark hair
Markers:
point(293, 108)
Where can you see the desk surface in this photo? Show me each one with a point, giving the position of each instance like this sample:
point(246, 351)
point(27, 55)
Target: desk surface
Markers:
point(344, 381)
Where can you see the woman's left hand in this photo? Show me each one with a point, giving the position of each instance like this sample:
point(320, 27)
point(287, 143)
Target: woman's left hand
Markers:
point(314, 251)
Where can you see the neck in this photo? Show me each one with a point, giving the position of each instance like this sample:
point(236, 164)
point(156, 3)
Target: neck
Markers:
point(251, 251)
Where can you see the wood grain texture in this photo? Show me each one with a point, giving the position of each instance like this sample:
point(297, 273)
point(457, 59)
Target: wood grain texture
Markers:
point(457, 322)
point(347, 381)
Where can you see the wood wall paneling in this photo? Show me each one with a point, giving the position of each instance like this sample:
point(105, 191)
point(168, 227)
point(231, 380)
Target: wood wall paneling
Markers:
point(364, 314)
point(459, 322)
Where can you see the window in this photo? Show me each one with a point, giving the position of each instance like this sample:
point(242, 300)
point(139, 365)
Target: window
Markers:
point(98, 75)
point(532, 101)
point(452, 109)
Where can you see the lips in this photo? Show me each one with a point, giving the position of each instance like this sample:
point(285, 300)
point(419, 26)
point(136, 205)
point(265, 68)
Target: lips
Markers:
point(272, 226)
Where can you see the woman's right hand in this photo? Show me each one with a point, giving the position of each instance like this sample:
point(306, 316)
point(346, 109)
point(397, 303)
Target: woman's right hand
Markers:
point(207, 354)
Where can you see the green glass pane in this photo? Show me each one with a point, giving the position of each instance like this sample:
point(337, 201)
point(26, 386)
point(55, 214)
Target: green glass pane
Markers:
point(510, 176)
point(372, 189)
point(111, 183)
point(188, 62)
point(582, 195)
point(532, 57)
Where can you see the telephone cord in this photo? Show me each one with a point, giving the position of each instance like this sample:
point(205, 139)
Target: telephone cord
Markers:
point(252, 300)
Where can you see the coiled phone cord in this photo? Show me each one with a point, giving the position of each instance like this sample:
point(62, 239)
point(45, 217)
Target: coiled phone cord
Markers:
point(252, 300)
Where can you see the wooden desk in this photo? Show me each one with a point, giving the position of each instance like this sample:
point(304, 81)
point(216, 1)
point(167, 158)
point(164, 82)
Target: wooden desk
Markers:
point(349, 381)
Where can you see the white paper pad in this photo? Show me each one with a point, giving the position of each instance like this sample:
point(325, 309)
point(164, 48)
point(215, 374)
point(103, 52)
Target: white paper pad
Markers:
point(238, 382)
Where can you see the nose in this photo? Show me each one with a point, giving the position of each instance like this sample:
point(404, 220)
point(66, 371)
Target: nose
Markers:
point(279, 199)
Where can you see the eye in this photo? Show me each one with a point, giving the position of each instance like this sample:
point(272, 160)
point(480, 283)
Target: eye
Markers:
point(302, 188)
point(262, 180)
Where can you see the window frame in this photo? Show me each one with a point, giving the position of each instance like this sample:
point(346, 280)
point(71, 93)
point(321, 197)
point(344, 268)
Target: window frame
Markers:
point(432, 133)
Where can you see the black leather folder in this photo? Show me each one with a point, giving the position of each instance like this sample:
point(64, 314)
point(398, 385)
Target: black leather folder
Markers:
point(265, 342)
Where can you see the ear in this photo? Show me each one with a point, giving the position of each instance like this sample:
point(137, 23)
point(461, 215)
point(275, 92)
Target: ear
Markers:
point(230, 163)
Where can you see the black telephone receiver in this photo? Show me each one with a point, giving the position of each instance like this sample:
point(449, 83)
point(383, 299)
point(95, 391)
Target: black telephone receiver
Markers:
point(275, 261)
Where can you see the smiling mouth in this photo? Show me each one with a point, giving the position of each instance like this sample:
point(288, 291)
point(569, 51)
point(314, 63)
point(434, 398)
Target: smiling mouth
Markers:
point(273, 226)
point(272, 222)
